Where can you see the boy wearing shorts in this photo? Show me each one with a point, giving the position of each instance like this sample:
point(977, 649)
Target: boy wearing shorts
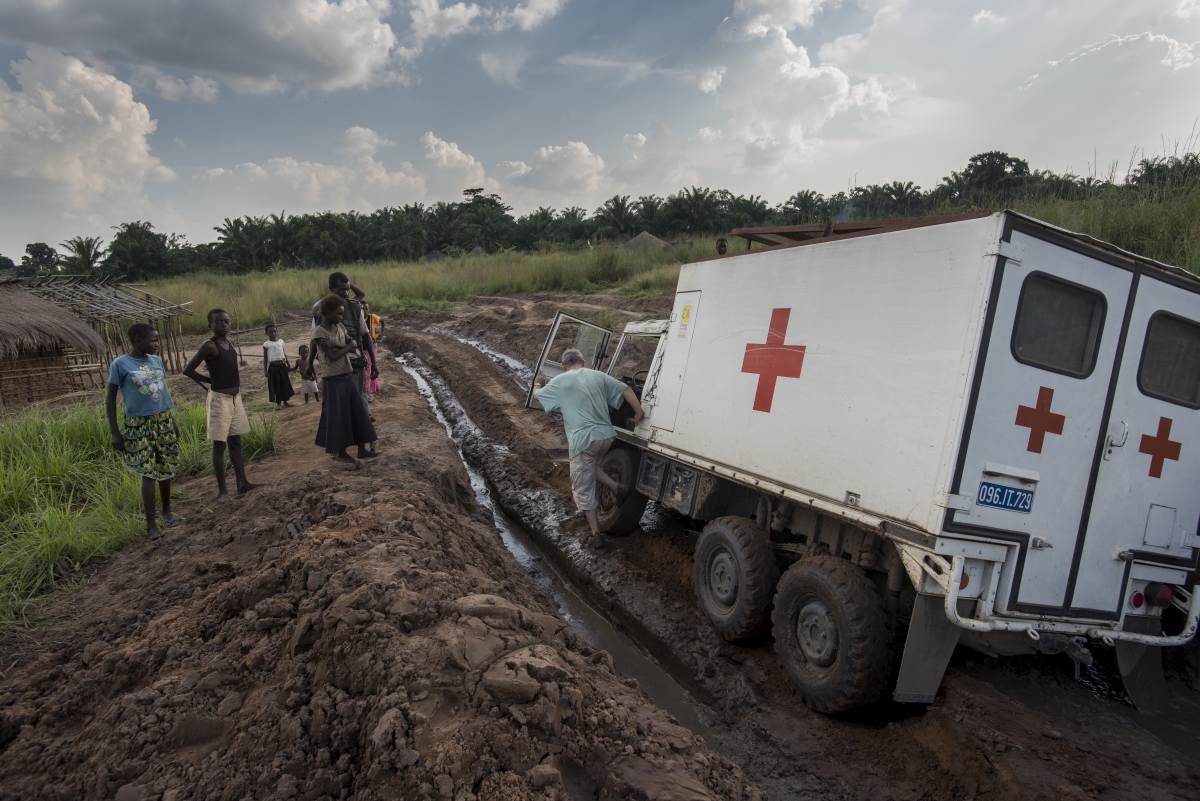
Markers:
point(149, 439)
point(226, 416)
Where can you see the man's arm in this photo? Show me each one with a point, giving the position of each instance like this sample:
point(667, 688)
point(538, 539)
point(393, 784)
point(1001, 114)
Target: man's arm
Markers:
point(110, 409)
point(266, 362)
point(207, 351)
point(358, 293)
point(632, 397)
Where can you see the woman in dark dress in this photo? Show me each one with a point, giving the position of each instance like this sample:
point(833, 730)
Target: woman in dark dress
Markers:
point(345, 420)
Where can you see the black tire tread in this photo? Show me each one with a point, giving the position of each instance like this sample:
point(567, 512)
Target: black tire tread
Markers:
point(761, 574)
point(866, 671)
point(634, 507)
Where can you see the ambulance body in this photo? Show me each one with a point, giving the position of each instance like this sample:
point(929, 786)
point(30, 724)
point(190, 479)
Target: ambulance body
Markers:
point(983, 427)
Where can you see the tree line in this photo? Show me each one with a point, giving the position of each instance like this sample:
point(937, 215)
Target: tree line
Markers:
point(481, 220)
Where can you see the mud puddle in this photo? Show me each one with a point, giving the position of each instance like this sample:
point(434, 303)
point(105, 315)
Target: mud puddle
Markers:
point(515, 368)
point(595, 629)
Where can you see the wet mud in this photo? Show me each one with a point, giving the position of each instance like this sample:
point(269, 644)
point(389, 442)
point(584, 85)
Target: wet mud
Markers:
point(1012, 728)
point(339, 634)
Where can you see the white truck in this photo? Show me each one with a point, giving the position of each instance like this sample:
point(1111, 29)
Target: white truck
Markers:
point(982, 427)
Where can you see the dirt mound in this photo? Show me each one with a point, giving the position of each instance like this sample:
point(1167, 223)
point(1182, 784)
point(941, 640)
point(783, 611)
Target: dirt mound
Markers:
point(352, 635)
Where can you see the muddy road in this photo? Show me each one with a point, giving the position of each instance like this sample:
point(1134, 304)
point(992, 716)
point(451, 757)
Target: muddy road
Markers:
point(336, 634)
point(1015, 728)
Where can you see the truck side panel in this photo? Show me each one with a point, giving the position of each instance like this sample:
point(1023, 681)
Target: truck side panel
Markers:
point(840, 368)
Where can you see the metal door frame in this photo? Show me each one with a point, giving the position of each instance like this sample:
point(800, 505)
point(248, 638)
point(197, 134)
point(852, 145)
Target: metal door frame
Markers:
point(544, 358)
point(1021, 540)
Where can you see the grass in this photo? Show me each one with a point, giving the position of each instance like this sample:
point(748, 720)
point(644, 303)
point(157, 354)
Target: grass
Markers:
point(66, 496)
point(257, 298)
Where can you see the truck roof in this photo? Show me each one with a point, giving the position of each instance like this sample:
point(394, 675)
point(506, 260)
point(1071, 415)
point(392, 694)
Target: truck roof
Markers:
point(780, 237)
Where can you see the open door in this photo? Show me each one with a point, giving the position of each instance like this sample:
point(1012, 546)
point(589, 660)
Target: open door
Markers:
point(569, 332)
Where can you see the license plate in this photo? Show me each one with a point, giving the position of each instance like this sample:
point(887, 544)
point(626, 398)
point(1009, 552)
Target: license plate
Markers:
point(1001, 497)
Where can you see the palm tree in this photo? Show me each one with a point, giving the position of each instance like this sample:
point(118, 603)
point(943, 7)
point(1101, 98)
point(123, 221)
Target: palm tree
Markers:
point(695, 210)
point(86, 253)
point(905, 197)
point(617, 216)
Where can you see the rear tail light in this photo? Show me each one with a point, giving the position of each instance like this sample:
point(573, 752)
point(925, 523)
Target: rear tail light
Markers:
point(1158, 595)
point(1136, 600)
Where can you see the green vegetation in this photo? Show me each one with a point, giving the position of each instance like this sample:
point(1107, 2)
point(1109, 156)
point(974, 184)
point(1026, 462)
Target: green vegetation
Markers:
point(257, 298)
point(65, 495)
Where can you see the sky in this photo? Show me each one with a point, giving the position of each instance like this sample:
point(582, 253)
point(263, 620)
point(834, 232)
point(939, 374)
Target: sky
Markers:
point(185, 112)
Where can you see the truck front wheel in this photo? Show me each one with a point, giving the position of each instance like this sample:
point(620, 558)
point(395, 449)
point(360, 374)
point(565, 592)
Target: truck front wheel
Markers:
point(831, 634)
point(735, 574)
point(619, 519)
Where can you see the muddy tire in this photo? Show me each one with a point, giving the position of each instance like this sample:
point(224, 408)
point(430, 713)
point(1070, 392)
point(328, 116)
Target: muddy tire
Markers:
point(735, 575)
point(615, 519)
point(831, 633)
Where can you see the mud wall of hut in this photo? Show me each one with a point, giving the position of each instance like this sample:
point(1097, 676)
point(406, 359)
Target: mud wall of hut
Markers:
point(43, 375)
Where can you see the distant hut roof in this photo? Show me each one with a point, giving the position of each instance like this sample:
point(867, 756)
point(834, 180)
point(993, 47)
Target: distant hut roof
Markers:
point(478, 251)
point(435, 255)
point(646, 240)
point(28, 323)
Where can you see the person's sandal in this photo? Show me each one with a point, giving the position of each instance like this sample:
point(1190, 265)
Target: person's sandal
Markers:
point(172, 521)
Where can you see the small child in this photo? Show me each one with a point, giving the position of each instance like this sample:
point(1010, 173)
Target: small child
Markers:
point(150, 440)
point(276, 369)
point(308, 378)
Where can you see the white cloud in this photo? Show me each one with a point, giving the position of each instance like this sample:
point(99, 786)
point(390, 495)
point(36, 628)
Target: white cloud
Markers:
point(75, 131)
point(453, 170)
point(259, 46)
point(627, 70)
point(1174, 54)
point(656, 158)
point(168, 87)
point(429, 19)
point(842, 49)
point(985, 15)
point(570, 174)
point(1188, 9)
point(358, 141)
point(777, 99)
point(503, 67)
point(528, 15)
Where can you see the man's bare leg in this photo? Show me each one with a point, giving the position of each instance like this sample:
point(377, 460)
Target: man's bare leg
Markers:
point(593, 522)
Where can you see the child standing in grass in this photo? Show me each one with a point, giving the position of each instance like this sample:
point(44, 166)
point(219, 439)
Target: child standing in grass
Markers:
point(308, 377)
point(150, 440)
point(223, 405)
point(276, 369)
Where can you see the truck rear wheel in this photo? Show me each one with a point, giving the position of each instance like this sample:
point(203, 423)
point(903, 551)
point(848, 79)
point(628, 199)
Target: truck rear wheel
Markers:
point(619, 519)
point(735, 575)
point(831, 633)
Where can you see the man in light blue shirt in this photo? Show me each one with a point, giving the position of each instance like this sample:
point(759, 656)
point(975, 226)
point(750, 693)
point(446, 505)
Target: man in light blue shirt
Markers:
point(584, 397)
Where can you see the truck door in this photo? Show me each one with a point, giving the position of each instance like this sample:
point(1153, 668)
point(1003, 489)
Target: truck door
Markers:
point(569, 332)
point(1035, 425)
point(1146, 499)
point(664, 386)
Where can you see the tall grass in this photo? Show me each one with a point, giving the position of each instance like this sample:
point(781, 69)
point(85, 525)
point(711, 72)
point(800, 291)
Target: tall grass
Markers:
point(253, 298)
point(65, 495)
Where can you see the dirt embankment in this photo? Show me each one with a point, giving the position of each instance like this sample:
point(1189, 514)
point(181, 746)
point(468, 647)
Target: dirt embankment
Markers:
point(1001, 729)
point(357, 634)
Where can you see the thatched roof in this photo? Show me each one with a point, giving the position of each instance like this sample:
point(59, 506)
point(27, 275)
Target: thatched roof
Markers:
point(28, 323)
point(647, 241)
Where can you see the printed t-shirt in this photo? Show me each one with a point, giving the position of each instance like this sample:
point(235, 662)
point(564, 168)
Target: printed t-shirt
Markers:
point(338, 338)
point(143, 384)
point(274, 350)
point(584, 397)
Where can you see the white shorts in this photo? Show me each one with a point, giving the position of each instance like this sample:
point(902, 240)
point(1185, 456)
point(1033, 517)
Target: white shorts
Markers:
point(309, 387)
point(226, 416)
point(583, 474)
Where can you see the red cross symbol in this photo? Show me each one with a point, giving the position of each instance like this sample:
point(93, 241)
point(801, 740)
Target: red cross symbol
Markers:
point(1040, 420)
point(773, 360)
point(1160, 447)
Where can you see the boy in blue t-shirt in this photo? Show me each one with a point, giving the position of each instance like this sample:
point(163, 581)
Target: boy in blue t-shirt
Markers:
point(150, 440)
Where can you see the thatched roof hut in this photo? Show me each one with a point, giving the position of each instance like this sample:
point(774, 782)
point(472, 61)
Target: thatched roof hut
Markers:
point(45, 352)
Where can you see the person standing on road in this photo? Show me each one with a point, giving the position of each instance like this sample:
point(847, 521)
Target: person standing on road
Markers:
point(584, 397)
point(276, 369)
point(150, 439)
point(344, 417)
point(373, 325)
point(355, 324)
point(223, 405)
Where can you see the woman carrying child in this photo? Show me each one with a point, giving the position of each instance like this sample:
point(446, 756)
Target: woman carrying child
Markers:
point(276, 369)
point(345, 420)
point(148, 438)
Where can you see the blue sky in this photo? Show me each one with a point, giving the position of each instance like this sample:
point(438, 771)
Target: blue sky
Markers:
point(183, 112)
